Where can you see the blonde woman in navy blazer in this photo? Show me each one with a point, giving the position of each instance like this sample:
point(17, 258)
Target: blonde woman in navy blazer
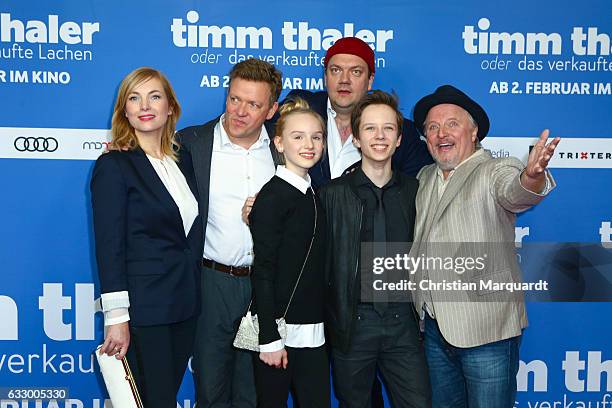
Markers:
point(148, 238)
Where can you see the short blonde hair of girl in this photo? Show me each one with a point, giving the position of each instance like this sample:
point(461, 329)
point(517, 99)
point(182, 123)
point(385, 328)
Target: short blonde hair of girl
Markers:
point(291, 107)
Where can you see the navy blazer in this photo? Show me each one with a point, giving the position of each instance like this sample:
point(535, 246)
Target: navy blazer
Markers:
point(140, 240)
point(197, 141)
point(410, 156)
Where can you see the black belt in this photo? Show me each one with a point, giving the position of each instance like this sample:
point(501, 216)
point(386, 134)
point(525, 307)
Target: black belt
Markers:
point(232, 270)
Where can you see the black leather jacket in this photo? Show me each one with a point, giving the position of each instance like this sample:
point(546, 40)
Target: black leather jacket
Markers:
point(344, 212)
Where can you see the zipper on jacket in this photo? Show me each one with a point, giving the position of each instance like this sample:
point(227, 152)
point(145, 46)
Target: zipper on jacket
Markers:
point(354, 304)
point(359, 240)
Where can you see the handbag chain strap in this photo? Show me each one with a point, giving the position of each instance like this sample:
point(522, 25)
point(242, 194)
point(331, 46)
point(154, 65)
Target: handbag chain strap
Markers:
point(314, 231)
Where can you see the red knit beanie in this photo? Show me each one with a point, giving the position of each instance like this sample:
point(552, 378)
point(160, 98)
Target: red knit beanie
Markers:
point(353, 46)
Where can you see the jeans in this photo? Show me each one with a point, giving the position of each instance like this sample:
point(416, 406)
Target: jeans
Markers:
point(475, 377)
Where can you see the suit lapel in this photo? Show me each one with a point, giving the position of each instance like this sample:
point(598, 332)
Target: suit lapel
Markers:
point(154, 183)
point(456, 182)
point(201, 154)
point(188, 173)
point(428, 201)
point(192, 185)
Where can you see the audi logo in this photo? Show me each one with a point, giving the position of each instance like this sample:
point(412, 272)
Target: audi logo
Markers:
point(35, 144)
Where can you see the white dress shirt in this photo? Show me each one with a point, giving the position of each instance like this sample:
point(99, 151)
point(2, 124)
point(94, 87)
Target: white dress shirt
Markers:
point(298, 335)
point(115, 304)
point(341, 155)
point(235, 174)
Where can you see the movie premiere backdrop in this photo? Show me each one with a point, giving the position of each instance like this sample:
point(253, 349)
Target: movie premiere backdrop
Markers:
point(532, 65)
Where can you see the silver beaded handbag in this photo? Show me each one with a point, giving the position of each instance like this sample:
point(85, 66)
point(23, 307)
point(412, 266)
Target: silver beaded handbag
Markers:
point(247, 337)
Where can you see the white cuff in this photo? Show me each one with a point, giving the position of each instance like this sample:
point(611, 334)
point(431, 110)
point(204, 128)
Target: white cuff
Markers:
point(550, 183)
point(116, 316)
point(115, 300)
point(271, 347)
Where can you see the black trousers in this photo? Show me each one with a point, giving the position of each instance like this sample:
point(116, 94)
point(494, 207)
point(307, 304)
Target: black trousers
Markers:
point(391, 344)
point(306, 375)
point(158, 357)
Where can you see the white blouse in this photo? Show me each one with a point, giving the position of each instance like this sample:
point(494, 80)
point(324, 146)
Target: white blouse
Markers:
point(174, 181)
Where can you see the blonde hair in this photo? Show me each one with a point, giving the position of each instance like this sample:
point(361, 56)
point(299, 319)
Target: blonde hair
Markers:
point(295, 106)
point(123, 134)
point(292, 106)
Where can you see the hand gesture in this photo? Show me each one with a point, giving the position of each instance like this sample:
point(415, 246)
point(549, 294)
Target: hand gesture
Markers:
point(540, 155)
point(275, 359)
point(247, 207)
point(533, 178)
point(117, 340)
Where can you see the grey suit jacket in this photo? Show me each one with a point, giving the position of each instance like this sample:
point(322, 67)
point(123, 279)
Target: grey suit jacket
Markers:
point(479, 205)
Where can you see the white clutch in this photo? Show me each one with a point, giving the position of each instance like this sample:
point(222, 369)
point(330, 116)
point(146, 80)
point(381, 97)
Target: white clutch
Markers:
point(119, 381)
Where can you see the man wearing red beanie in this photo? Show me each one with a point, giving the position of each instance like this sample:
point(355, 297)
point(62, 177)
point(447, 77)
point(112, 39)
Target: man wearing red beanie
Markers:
point(349, 74)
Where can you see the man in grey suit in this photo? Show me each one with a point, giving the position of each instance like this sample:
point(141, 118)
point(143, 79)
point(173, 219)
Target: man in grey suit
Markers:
point(467, 196)
point(233, 157)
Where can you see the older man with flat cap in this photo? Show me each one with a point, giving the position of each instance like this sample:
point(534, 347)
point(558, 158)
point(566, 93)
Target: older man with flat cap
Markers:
point(472, 339)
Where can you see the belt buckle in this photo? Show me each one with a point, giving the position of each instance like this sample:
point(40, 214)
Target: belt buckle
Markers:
point(231, 271)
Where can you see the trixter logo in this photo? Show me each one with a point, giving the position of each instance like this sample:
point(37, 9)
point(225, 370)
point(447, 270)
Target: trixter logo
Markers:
point(585, 155)
point(36, 144)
